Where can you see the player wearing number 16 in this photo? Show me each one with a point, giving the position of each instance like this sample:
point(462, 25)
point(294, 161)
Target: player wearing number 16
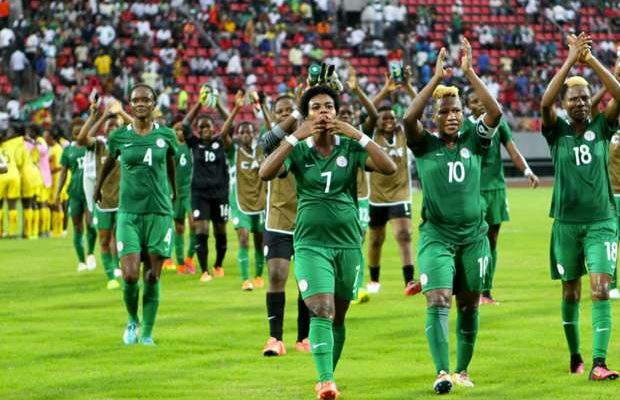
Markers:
point(453, 250)
point(145, 152)
point(324, 155)
point(584, 230)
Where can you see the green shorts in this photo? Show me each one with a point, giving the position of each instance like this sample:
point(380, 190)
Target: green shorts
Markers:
point(77, 206)
point(149, 232)
point(328, 270)
point(364, 213)
point(251, 222)
point(495, 206)
point(103, 219)
point(182, 207)
point(462, 268)
point(577, 249)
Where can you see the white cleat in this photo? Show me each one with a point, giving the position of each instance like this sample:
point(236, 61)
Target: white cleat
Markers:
point(614, 294)
point(82, 267)
point(443, 383)
point(373, 287)
point(91, 262)
point(462, 379)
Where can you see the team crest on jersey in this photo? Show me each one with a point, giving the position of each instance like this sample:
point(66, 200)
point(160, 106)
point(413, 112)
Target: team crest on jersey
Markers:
point(215, 146)
point(119, 246)
point(341, 161)
point(196, 213)
point(589, 136)
point(235, 221)
point(160, 143)
point(423, 279)
point(465, 153)
point(560, 268)
point(265, 250)
point(303, 285)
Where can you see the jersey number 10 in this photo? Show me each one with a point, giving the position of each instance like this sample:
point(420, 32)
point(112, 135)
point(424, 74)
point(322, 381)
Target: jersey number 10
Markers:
point(456, 172)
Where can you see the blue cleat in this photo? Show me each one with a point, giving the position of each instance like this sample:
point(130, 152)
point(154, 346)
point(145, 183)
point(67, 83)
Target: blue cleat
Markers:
point(130, 336)
point(147, 341)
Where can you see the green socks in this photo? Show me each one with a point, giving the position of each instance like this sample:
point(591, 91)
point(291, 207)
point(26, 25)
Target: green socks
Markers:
point(131, 293)
point(243, 259)
point(437, 335)
point(466, 331)
point(322, 345)
point(108, 265)
point(259, 262)
point(339, 337)
point(570, 321)
point(601, 327)
point(91, 238)
point(179, 245)
point(191, 250)
point(78, 245)
point(491, 273)
point(150, 304)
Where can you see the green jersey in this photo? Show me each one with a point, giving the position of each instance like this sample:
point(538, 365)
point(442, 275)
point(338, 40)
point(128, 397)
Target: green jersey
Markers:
point(184, 164)
point(327, 213)
point(73, 158)
point(450, 177)
point(492, 177)
point(581, 191)
point(144, 187)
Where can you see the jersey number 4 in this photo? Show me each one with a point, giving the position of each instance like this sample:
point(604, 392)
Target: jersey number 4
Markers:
point(456, 172)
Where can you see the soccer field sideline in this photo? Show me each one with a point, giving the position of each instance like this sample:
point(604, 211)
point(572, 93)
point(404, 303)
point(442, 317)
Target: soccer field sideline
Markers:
point(62, 331)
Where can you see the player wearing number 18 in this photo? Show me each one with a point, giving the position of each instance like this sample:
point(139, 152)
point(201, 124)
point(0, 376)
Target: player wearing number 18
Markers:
point(453, 250)
point(144, 225)
point(584, 230)
point(324, 155)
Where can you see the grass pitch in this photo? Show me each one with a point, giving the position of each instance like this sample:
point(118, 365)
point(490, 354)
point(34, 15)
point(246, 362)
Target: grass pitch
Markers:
point(60, 332)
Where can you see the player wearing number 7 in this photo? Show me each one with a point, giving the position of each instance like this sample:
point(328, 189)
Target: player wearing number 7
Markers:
point(584, 229)
point(324, 155)
point(453, 249)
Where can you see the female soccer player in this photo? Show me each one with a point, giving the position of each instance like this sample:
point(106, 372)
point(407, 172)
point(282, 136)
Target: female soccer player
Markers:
point(584, 230)
point(324, 155)
point(453, 250)
point(51, 137)
point(144, 223)
point(72, 160)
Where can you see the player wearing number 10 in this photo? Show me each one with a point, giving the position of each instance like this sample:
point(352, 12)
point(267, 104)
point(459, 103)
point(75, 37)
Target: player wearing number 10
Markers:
point(453, 250)
point(144, 225)
point(324, 155)
point(584, 229)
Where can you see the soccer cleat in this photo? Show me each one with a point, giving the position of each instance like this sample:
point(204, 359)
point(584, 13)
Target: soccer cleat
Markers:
point(614, 294)
point(303, 346)
point(362, 297)
point(91, 262)
point(206, 277)
point(413, 288)
point(130, 336)
point(578, 368)
point(327, 391)
point(113, 284)
point(190, 268)
point(462, 379)
point(218, 272)
point(258, 282)
point(274, 347)
point(147, 341)
point(168, 264)
point(443, 383)
point(82, 267)
point(488, 300)
point(601, 373)
point(247, 286)
point(373, 287)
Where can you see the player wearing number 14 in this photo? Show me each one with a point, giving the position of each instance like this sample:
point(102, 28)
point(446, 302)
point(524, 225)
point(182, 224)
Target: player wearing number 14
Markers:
point(584, 234)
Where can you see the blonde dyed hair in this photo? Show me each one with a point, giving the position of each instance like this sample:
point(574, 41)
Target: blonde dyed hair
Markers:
point(576, 81)
point(442, 91)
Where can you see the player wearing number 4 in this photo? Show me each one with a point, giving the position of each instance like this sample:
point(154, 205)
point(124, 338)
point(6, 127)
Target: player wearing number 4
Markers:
point(324, 155)
point(453, 250)
point(584, 230)
point(145, 152)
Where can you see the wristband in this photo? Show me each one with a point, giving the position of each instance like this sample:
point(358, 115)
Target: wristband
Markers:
point(527, 172)
point(292, 140)
point(364, 140)
point(296, 114)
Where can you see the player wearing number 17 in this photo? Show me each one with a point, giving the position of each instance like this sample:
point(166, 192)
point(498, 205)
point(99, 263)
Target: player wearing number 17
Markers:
point(453, 250)
point(584, 229)
point(324, 155)
point(144, 224)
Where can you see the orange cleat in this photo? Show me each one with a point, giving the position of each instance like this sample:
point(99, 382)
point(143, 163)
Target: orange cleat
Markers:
point(303, 346)
point(205, 277)
point(601, 373)
point(169, 264)
point(190, 268)
point(327, 391)
point(259, 282)
point(413, 288)
point(274, 347)
point(181, 270)
point(218, 272)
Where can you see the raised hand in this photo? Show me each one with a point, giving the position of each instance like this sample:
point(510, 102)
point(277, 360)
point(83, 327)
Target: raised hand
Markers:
point(114, 107)
point(239, 99)
point(407, 75)
point(579, 48)
point(308, 128)
point(440, 69)
point(352, 80)
point(466, 59)
point(390, 84)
